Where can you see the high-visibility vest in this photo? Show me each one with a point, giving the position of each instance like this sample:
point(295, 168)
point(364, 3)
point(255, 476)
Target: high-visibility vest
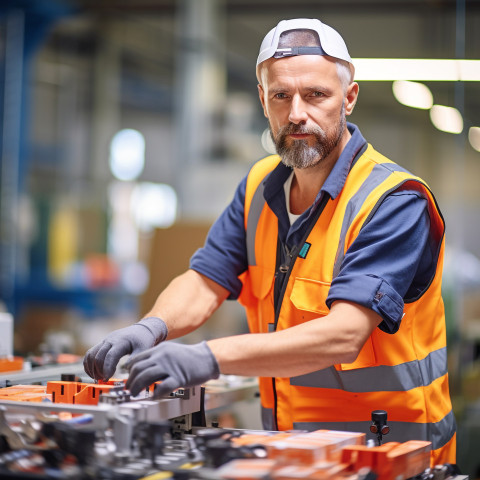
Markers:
point(403, 373)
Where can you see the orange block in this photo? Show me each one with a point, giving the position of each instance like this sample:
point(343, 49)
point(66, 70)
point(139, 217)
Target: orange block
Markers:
point(113, 381)
point(30, 397)
point(320, 471)
point(246, 469)
point(14, 389)
point(260, 438)
point(90, 394)
point(392, 460)
point(296, 452)
point(64, 392)
point(80, 393)
point(11, 364)
point(360, 456)
point(24, 393)
point(334, 441)
point(410, 459)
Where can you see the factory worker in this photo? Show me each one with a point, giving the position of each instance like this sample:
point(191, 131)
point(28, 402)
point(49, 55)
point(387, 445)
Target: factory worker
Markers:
point(335, 252)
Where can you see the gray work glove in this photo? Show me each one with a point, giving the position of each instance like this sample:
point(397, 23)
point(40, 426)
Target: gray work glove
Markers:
point(101, 360)
point(176, 365)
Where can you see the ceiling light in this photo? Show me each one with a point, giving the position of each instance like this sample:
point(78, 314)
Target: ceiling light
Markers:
point(127, 154)
point(154, 205)
point(419, 69)
point(474, 138)
point(412, 94)
point(446, 119)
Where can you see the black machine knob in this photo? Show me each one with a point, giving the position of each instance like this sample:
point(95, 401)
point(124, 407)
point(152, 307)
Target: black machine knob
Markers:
point(379, 424)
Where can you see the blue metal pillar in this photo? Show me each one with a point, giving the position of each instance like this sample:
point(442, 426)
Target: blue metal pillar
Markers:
point(25, 25)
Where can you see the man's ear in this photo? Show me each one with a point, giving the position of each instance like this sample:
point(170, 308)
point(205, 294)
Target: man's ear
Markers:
point(351, 97)
point(261, 95)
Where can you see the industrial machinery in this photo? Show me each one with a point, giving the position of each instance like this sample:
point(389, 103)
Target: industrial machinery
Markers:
point(68, 429)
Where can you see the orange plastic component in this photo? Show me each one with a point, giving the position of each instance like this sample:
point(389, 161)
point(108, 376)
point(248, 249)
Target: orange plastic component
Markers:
point(90, 394)
point(390, 461)
point(24, 393)
point(296, 452)
point(28, 397)
point(262, 438)
point(410, 458)
point(312, 447)
point(113, 381)
point(319, 471)
point(79, 393)
point(64, 392)
point(15, 389)
point(247, 469)
point(334, 441)
point(11, 364)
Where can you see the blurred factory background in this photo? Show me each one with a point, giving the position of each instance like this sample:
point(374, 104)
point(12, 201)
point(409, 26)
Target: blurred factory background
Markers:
point(126, 125)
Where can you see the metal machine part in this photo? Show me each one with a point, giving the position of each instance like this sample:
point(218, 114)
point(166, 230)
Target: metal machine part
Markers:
point(119, 436)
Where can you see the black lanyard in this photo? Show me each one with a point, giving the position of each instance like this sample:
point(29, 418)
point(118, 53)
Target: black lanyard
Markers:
point(286, 259)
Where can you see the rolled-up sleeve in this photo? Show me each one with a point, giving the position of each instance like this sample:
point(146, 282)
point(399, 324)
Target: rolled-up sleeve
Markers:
point(392, 261)
point(224, 256)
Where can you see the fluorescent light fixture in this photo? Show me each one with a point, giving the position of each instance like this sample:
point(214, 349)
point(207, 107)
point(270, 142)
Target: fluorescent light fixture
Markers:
point(474, 138)
point(412, 94)
point(127, 154)
point(416, 69)
point(154, 205)
point(446, 119)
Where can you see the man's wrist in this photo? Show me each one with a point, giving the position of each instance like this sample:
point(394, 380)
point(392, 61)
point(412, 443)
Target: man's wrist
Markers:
point(215, 370)
point(157, 327)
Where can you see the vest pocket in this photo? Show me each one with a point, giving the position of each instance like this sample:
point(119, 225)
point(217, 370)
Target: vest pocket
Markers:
point(310, 295)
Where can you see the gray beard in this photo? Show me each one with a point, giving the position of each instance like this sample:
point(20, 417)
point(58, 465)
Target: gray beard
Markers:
point(302, 155)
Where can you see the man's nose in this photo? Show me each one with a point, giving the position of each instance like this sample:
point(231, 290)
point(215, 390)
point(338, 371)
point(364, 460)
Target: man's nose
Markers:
point(298, 114)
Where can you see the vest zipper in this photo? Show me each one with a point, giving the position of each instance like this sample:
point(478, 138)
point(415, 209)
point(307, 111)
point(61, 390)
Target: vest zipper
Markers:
point(285, 269)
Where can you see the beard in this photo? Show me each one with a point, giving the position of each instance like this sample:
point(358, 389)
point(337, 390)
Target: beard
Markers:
point(299, 153)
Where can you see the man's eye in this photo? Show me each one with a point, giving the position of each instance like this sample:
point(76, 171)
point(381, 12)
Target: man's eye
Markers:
point(280, 95)
point(317, 94)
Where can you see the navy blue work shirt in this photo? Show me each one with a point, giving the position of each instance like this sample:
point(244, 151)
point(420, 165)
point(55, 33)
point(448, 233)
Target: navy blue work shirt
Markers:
point(393, 257)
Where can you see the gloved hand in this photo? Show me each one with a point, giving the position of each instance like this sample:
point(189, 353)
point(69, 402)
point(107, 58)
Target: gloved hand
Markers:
point(175, 364)
point(101, 360)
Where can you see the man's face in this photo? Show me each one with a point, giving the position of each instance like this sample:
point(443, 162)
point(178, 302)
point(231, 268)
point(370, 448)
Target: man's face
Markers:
point(305, 104)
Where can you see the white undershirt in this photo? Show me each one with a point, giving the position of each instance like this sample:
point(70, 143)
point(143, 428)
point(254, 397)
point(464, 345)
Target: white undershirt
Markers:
point(286, 187)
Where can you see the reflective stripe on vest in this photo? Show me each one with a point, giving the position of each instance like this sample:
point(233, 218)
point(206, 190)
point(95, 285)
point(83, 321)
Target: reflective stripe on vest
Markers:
point(378, 175)
point(267, 418)
point(256, 208)
point(382, 378)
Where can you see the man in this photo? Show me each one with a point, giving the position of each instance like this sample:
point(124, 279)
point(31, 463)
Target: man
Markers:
point(335, 252)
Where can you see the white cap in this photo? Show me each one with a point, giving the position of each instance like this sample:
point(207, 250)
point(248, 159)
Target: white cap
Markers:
point(332, 44)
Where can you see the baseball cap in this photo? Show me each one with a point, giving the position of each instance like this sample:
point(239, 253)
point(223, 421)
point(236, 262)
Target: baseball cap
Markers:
point(332, 44)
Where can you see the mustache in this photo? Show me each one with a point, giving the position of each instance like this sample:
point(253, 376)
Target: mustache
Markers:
point(299, 129)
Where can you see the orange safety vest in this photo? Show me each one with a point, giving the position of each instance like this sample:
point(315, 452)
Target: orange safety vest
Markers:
point(403, 373)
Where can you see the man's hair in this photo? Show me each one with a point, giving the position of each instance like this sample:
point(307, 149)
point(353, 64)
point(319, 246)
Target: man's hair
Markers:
point(309, 38)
